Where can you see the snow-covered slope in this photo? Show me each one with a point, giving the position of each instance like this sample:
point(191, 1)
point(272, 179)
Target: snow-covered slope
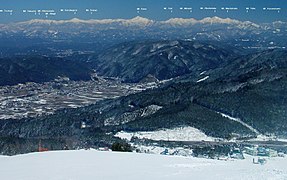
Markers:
point(85, 165)
point(176, 134)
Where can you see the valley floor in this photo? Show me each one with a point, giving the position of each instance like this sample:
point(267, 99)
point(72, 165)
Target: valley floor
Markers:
point(91, 164)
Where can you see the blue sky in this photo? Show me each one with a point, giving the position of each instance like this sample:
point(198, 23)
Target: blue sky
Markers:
point(155, 9)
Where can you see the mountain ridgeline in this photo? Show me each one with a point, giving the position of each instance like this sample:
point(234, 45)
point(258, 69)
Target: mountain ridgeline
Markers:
point(133, 62)
point(40, 69)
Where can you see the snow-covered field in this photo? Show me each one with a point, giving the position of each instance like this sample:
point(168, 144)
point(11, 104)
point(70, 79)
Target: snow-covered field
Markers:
point(176, 134)
point(96, 165)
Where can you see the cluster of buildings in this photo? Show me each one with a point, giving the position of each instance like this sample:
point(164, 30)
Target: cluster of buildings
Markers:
point(164, 151)
point(261, 151)
point(36, 99)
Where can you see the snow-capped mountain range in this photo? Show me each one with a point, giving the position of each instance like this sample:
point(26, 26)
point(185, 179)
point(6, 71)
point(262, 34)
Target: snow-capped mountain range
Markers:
point(237, 33)
point(134, 21)
point(139, 21)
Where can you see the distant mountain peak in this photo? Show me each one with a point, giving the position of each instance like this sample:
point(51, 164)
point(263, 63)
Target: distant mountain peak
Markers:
point(37, 21)
point(181, 21)
point(76, 20)
point(138, 20)
point(207, 20)
point(47, 21)
point(216, 19)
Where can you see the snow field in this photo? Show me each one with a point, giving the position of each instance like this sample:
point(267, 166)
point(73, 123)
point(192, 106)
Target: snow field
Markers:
point(91, 164)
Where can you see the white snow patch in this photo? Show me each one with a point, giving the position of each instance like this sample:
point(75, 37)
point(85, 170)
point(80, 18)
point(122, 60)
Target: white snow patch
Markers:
point(138, 50)
point(203, 79)
point(165, 80)
point(176, 134)
point(203, 72)
point(150, 110)
point(73, 105)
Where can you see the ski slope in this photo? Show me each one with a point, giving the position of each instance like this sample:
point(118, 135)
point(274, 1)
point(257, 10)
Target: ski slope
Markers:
point(96, 165)
point(176, 134)
point(241, 122)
